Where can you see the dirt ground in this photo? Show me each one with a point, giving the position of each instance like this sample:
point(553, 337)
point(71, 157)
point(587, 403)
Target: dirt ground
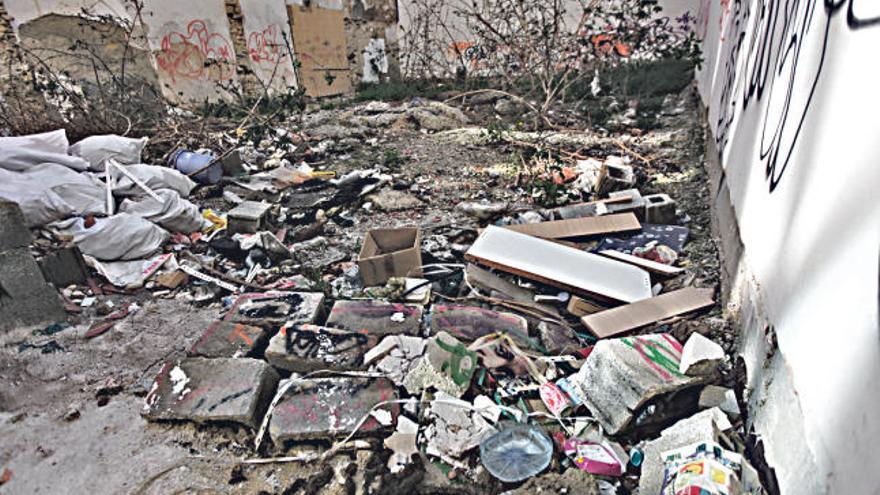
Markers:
point(70, 419)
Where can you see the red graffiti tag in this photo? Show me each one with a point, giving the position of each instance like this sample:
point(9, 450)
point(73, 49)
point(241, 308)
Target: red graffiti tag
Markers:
point(199, 54)
point(267, 47)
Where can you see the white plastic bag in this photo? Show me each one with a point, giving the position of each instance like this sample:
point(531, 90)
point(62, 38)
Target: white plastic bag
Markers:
point(131, 274)
point(50, 142)
point(51, 192)
point(173, 213)
point(120, 237)
point(98, 149)
point(155, 178)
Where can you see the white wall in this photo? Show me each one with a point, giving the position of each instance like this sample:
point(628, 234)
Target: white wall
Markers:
point(269, 42)
point(790, 86)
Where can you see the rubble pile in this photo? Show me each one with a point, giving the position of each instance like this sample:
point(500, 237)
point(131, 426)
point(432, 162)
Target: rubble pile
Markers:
point(511, 342)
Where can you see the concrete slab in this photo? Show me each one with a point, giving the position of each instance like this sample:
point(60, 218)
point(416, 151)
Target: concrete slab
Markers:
point(469, 323)
point(226, 339)
point(14, 232)
point(324, 408)
point(277, 308)
point(622, 375)
point(212, 390)
point(64, 267)
point(376, 318)
point(307, 348)
point(25, 297)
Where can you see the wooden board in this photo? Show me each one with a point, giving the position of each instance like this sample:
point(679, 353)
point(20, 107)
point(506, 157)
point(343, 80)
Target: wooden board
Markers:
point(568, 268)
point(651, 266)
point(319, 43)
point(626, 318)
point(580, 227)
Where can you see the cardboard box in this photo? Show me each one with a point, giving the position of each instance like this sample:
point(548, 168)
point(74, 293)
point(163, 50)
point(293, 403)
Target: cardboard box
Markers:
point(390, 253)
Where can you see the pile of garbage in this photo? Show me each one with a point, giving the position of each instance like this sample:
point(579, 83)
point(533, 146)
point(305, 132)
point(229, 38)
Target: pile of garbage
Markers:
point(536, 343)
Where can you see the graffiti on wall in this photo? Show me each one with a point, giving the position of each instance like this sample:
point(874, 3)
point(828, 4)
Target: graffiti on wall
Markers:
point(268, 47)
point(472, 54)
point(780, 65)
point(198, 54)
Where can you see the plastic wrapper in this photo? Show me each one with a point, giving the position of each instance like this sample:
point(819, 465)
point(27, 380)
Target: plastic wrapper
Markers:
point(516, 453)
point(701, 469)
point(132, 274)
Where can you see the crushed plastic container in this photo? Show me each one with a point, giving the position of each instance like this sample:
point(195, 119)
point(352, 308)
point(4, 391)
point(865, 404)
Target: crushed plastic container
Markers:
point(517, 452)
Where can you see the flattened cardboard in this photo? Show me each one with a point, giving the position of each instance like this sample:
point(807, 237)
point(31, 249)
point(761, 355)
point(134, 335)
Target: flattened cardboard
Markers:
point(580, 227)
point(390, 253)
point(651, 266)
point(638, 314)
point(581, 307)
point(561, 266)
point(319, 43)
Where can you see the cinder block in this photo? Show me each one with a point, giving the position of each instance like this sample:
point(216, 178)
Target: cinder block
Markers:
point(248, 217)
point(211, 390)
point(324, 408)
point(615, 176)
point(635, 204)
point(14, 232)
point(660, 209)
point(376, 318)
point(307, 348)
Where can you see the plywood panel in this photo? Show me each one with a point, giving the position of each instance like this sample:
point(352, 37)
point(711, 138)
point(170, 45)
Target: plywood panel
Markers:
point(319, 42)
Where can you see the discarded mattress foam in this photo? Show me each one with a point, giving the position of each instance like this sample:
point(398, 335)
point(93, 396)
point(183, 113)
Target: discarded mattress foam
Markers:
point(559, 265)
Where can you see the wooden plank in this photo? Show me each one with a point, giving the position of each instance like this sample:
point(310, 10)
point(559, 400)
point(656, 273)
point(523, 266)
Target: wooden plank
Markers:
point(638, 314)
point(580, 227)
point(651, 266)
point(568, 268)
point(582, 307)
point(320, 46)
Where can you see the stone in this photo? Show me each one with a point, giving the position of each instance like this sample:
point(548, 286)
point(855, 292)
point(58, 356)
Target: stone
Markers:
point(615, 175)
point(700, 356)
point(705, 426)
point(721, 397)
point(455, 428)
point(660, 209)
point(172, 280)
point(25, 297)
point(323, 408)
point(395, 356)
point(307, 348)
point(447, 366)
point(227, 339)
point(622, 375)
point(14, 232)
point(392, 200)
point(375, 318)
point(64, 267)
point(277, 308)
point(468, 323)
point(248, 217)
point(234, 390)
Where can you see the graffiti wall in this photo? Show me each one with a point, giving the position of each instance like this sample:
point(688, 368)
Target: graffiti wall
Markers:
point(788, 87)
point(269, 42)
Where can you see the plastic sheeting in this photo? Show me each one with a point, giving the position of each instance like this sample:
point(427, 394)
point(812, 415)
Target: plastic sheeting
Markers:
point(174, 213)
point(120, 237)
point(51, 192)
point(155, 178)
point(50, 142)
point(96, 150)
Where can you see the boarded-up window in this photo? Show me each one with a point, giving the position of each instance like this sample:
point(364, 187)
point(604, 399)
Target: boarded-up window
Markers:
point(319, 43)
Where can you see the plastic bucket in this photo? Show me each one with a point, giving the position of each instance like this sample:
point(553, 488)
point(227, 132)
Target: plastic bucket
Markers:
point(188, 162)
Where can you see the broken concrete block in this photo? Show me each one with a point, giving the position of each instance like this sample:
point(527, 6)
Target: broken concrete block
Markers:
point(628, 201)
point(25, 297)
point(226, 339)
point(721, 397)
point(322, 408)
point(209, 390)
point(277, 308)
point(248, 217)
point(620, 376)
point(700, 356)
point(64, 267)
point(376, 318)
point(447, 365)
point(615, 175)
point(455, 428)
point(14, 232)
point(307, 348)
point(395, 356)
point(705, 426)
point(660, 208)
point(468, 323)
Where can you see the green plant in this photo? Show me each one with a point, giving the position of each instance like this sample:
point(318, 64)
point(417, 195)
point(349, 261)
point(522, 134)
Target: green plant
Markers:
point(393, 159)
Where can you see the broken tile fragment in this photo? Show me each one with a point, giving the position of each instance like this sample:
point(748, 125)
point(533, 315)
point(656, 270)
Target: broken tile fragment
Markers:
point(226, 339)
point(402, 443)
point(621, 375)
point(237, 390)
point(307, 348)
point(395, 356)
point(700, 356)
point(455, 428)
point(322, 408)
point(376, 318)
point(447, 366)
